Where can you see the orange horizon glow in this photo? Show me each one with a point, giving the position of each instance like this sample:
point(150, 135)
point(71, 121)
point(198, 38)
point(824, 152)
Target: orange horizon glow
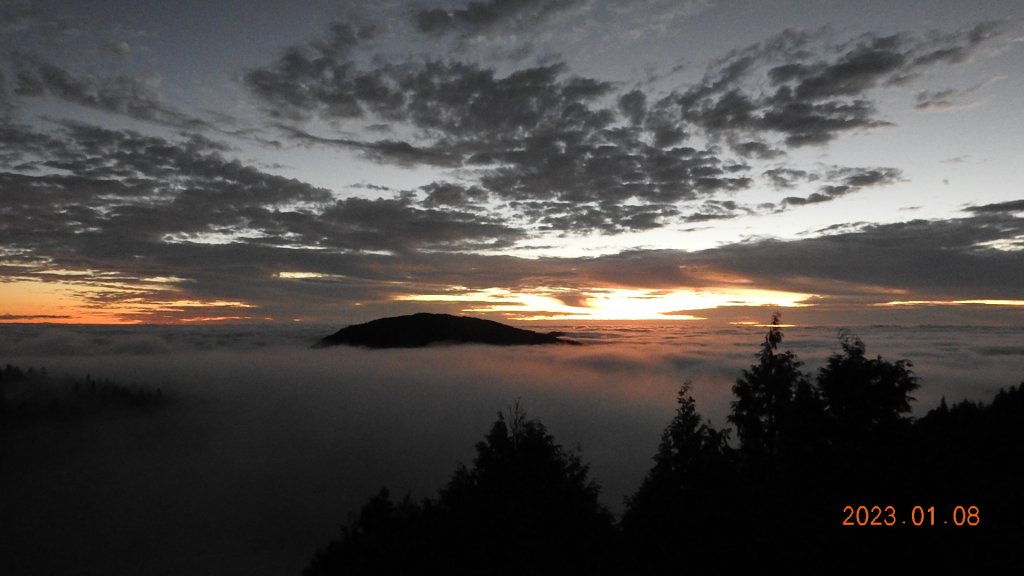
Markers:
point(910, 303)
point(611, 303)
point(753, 324)
point(159, 300)
point(61, 302)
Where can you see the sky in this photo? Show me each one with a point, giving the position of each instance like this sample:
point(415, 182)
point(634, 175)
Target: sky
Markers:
point(197, 162)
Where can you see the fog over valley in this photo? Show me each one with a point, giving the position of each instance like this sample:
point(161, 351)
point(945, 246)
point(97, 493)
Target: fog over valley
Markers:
point(264, 446)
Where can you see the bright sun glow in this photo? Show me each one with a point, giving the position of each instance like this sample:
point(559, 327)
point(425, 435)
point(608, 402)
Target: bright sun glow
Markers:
point(610, 303)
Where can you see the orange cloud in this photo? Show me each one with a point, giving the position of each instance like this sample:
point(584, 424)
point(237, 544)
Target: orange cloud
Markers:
point(69, 302)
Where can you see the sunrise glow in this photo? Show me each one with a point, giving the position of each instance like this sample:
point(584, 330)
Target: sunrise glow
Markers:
point(953, 303)
point(611, 303)
point(299, 275)
point(114, 303)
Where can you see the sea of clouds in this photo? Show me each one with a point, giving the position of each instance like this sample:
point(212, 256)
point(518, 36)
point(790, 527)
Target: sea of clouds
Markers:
point(265, 446)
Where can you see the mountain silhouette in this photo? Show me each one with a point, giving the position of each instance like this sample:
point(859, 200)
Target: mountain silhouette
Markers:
point(424, 329)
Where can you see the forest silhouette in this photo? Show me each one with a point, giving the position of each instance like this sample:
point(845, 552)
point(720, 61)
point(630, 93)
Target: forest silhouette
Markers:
point(828, 473)
point(31, 396)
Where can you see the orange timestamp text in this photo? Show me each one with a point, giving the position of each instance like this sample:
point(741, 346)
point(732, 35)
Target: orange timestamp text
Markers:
point(918, 516)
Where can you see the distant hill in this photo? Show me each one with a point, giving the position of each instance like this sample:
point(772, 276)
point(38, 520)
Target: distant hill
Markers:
point(423, 329)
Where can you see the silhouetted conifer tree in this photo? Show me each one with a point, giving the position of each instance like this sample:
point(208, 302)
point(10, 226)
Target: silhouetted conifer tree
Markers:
point(864, 397)
point(385, 538)
point(685, 496)
point(764, 397)
point(526, 506)
point(807, 452)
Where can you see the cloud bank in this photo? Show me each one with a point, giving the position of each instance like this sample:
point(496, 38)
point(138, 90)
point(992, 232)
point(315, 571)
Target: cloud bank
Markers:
point(264, 446)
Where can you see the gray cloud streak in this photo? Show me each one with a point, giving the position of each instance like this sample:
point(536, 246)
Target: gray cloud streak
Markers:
point(37, 77)
point(479, 17)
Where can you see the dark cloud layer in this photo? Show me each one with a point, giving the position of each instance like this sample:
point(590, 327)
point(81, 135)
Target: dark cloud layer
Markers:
point(789, 86)
point(395, 152)
point(1001, 207)
point(540, 139)
point(19, 15)
point(577, 154)
point(130, 207)
point(843, 181)
point(98, 184)
point(872, 263)
point(945, 260)
point(480, 17)
point(133, 96)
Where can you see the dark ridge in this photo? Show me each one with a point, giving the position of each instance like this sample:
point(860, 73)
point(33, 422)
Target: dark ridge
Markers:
point(424, 329)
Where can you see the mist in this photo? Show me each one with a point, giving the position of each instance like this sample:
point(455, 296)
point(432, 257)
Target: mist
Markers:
point(265, 447)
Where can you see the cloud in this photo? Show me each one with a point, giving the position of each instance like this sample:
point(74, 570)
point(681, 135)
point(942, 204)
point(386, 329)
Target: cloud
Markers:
point(786, 177)
point(941, 99)
point(17, 16)
point(448, 194)
point(116, 48)
point(544, 146)
point(512, 151)
point(275, 443)
point(1000, 207)
point(23, 317)
point(951, 258)
point(108, 209)
point(115, 207)
point(574, 154)
point(133, 96)
point(278, 444)
point(460, 101)
point(607, 187)
point(397, 225)
point(844, 181)
point(717, 210)
point(791, 87)
point(633, 105)
point(479, 17)
point(756, 149)
point(395, 152)
point(114, 184)
point(951, 98)
point(319, 76)
point(945, 259)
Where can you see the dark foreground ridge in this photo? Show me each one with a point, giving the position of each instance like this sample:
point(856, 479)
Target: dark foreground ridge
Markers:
point(423, 329)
